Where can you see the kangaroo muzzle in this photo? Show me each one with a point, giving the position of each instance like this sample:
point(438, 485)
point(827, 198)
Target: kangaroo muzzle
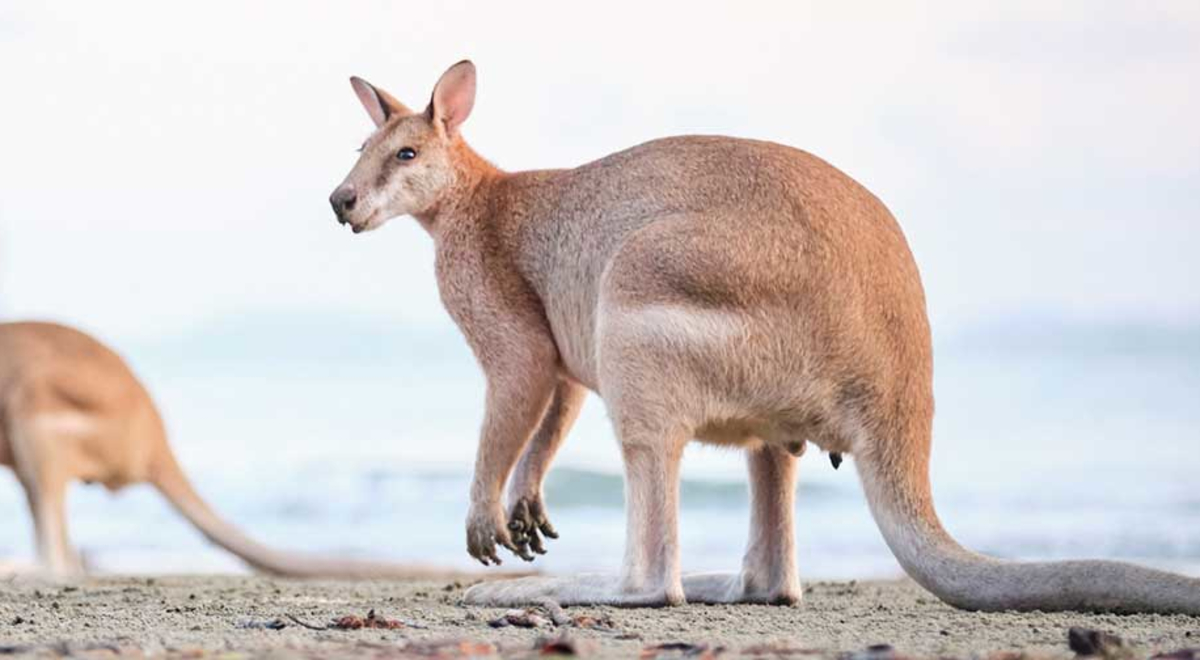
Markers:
point(343, 201)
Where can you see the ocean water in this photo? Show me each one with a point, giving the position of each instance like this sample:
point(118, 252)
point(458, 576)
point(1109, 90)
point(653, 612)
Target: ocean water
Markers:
point(355, 436)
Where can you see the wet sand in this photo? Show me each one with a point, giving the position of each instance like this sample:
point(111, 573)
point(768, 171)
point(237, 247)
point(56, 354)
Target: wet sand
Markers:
point(234, 617)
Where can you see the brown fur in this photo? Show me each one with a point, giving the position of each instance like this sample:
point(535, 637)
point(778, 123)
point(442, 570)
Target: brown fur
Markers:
point(734, 291)
point(70, 409)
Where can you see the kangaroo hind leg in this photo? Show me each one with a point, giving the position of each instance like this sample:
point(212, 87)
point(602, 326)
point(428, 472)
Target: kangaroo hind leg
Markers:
point(45, 480)
point(769, 573)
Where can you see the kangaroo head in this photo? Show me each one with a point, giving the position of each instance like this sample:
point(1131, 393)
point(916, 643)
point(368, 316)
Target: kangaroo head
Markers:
point(412, 159)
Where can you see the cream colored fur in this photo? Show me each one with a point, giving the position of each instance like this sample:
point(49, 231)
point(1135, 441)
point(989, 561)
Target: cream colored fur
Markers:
point(70, 410)
point(732, 291)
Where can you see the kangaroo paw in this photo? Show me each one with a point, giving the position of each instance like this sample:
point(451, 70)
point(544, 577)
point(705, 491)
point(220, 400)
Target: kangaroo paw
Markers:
point(527, 525)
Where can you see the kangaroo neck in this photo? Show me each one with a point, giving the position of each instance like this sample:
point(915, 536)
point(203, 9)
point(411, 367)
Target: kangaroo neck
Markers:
point(469, 199)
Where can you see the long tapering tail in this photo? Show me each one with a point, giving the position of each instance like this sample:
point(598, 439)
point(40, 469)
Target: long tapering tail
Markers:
point(900, 500)
point(170, 480)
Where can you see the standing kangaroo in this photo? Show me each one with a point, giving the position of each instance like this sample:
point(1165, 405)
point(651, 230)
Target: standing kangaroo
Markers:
point(70, 409)
point(738, 292)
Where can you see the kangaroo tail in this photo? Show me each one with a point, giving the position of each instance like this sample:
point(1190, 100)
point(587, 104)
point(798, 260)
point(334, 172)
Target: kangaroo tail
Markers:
point(896, 483)
point(174, 485)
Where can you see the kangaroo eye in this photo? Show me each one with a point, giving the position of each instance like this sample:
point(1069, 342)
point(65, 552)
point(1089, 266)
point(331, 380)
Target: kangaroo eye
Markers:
point(407, 153)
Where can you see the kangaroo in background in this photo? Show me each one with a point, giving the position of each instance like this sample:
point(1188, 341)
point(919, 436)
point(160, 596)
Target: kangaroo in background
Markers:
point(738, 292)
point(70, 409)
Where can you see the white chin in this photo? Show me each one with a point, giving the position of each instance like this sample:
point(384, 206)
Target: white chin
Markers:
point(372, 223)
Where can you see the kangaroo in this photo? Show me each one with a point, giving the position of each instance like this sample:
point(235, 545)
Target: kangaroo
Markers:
point(70, 409)
point(737, 292)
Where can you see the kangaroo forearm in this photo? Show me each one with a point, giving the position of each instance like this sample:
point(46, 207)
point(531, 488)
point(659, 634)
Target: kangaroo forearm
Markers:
point(508, 426)
point(560, 416)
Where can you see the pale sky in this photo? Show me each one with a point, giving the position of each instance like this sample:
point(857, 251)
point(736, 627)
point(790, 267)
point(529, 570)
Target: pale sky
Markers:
point(165, 165)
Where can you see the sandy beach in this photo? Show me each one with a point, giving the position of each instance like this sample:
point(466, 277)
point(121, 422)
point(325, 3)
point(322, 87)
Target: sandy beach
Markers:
point(234, 617)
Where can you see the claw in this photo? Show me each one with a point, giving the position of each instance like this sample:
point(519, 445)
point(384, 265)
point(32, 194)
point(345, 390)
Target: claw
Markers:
point(535, 542)
point(541, 522)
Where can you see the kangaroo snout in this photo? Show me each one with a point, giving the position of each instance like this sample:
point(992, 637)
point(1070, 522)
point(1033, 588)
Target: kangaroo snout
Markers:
point(343, 200)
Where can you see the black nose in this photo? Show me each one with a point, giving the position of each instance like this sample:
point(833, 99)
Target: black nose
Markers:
point(343, 199)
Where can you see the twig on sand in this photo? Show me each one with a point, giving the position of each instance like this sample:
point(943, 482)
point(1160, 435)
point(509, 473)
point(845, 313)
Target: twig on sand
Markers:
point(303, 624)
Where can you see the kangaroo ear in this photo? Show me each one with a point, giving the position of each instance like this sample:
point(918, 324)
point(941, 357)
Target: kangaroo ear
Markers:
point(453, 96)
point(379, 104)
